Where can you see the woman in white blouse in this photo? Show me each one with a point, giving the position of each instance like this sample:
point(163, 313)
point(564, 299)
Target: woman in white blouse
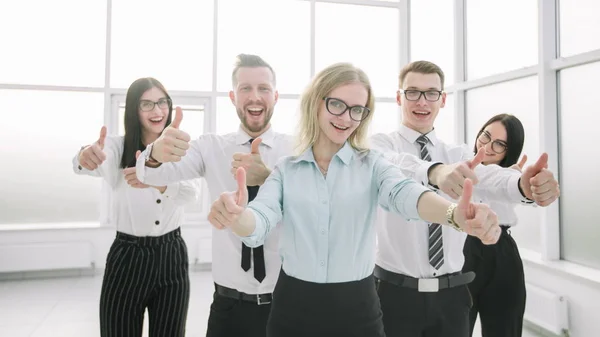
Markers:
point(498, 290)
point(147, 265)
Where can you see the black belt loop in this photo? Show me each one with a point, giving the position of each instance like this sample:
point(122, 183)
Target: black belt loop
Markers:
point(443, 282)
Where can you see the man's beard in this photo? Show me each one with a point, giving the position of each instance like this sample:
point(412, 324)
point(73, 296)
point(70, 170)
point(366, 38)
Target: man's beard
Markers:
point(267, 118)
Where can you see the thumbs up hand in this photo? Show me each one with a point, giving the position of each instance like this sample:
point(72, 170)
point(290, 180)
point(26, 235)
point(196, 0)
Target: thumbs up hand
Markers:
point(226, 210)
point(476, 219)
point(256, 170)
point(538, 183)
point(93, 155)
point(451, 178)
point(172, 143)
point(520, 164)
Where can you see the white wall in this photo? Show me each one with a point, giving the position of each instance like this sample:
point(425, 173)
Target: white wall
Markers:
point(579, 285)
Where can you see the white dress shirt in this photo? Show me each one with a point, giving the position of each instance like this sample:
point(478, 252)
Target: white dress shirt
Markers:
point(210, 156)
point(139, 211)
point(403, 245)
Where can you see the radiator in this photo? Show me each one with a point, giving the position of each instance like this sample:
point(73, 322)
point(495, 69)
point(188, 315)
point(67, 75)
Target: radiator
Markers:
point(546, 310)
point(45, 256)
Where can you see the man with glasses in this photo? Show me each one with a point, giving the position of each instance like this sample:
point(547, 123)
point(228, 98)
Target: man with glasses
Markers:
point(418, 268)
point(244, 277)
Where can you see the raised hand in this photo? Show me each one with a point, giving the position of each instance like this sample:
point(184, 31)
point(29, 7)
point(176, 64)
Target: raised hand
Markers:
point(93, 155)
point(226, 210)
point(172, 143)
point(538, 183)
point(476, 219)
point(450, 178)
point(256, 170)
point(520, 164)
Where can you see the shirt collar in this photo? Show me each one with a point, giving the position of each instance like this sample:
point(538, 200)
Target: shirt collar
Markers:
point(268, 137)
point(412, 135)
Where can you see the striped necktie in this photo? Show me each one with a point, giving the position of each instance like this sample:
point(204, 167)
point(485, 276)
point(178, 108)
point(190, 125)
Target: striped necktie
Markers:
point(436, 245)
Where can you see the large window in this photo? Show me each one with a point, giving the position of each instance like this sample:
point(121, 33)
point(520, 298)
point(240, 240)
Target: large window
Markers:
point(579, 24)
point(42, 133)
point(445, 123)
point(278, 31)
point(485, 102)
point(171, 41)
point(501, 36)
point(365, 36)
point(386, 118)
point(43, 43)
point(432, 34)
point(579, 163)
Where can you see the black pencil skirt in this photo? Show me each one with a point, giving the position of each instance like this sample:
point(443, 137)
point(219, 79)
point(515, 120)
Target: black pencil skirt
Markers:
point(307, 309)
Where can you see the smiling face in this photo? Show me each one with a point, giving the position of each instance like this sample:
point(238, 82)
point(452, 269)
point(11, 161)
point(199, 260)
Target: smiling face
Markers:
point(254, 97)
point(419, 110)
point(493, 140)
point(153, 110)
point(334, 113)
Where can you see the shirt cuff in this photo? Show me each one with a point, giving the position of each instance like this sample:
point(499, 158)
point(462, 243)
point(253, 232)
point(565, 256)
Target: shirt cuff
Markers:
point(422, 174)
point(515, 191)
point(171, 191)
point(256, 237)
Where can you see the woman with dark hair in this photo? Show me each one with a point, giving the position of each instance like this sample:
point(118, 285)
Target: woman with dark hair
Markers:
point(147, 264)
point(498, 291)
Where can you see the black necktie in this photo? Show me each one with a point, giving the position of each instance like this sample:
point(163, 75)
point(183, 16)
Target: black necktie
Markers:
point(258, 252)
point(436, 245)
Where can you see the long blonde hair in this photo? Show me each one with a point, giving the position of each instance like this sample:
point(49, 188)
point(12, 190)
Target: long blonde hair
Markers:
point(323, 84)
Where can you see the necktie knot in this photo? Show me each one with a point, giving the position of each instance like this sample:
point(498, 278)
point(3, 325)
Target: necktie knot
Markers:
point(422, 140)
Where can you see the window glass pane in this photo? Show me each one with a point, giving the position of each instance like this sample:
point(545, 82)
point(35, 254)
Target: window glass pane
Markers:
point(386, 118)
point(284, 120)
point(445, 122)
point(277, 31)
point(433, 43)
point(481, 105)
point(38, 182)
point(579, 103)
point(178, 51)
point(363, 35)
point(578, 23)
point(501, 36)
point(44, 43)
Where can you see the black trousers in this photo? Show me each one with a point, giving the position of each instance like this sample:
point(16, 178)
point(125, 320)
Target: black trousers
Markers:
point(410, 313)
point(235, 318)
point(499, 287)
point(306, 309)
point(145, 272)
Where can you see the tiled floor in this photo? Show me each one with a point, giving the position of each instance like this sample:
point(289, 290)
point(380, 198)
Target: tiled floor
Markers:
point(68, 307)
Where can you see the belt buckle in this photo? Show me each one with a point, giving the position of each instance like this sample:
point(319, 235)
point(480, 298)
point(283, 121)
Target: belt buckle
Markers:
point(429, 285)
point(260, 302)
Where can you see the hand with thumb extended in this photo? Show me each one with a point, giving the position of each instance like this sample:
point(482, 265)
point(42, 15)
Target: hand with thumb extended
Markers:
point(92, 156)
point(476, 219)
point(255, 146)
point(173, 143)
point(520, 164)
point(226, 210)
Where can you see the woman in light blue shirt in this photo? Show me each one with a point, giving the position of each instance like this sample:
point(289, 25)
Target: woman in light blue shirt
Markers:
point(326, 200)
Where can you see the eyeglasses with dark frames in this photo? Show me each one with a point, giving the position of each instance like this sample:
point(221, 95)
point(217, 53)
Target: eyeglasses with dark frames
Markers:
point(337, 107)
point(498, 146)
point(147, 105)
point(415, 95)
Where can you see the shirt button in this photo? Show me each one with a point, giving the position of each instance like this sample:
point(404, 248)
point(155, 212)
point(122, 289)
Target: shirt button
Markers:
point(323, 231)
point(157, 222)
point(158, 201)
point(324, 202)
point(322, 263)
point(79, 167)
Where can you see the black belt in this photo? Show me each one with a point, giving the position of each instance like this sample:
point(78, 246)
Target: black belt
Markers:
point(259, 299)
point(426, 284)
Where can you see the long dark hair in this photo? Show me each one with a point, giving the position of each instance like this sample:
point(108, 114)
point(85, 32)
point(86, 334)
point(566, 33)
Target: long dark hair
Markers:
point(515, 137)
point(133, 127)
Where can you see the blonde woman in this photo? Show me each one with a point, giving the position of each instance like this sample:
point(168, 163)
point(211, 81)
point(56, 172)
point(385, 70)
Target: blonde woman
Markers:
point(327, 197)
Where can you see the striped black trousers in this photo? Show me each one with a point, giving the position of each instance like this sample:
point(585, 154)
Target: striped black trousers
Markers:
point(145, 273)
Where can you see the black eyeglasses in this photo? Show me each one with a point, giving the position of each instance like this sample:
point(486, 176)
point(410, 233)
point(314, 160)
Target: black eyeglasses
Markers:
point(146, 105)
point(498, 146)
point(415, 95)
point(337, 107)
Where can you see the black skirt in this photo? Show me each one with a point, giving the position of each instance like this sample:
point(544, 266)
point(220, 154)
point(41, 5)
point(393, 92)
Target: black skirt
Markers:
point(307, 309)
